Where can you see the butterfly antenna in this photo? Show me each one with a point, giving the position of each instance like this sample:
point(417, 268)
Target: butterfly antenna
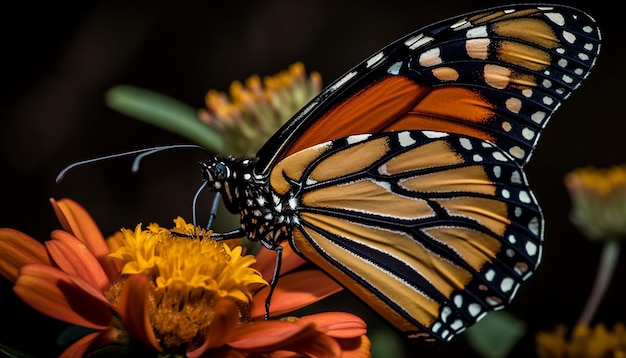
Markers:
point(141, 153)
point(150, 151)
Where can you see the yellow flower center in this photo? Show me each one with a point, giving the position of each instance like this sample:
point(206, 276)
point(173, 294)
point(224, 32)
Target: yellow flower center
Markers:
point(189, 273)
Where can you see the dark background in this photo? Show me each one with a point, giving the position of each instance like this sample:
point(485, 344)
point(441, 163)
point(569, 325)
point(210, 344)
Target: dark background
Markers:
point(58, 60)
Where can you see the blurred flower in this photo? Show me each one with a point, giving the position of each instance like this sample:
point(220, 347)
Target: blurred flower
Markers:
point(253, 111)
point(599, 201)
point(174, 294)
point(582, 342)
point(599, 211)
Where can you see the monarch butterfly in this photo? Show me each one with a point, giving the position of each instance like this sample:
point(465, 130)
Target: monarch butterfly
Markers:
point(403, 179)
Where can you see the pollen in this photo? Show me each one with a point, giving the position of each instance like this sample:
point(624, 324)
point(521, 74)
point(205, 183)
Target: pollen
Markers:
point(177, 326)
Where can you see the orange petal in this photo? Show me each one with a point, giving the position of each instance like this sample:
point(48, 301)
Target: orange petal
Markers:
point(73, 257)
point(18, 249)
point(337, 324)
point(269, 336)
point(77, 221)
point(294, 291)
point(91, 342)
point(58, 295)
point(266, 261)
point(222, 327)
point(265, 334)
point(134, 310)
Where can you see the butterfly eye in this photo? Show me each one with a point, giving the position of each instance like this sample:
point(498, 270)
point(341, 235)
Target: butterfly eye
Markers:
point(215, 170)
point(221, 171)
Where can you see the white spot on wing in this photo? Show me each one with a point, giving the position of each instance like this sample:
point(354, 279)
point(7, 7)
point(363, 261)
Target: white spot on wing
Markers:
point(556, 18)
point(343, 80)
point(528, 133)
point(517, 152)
point(405, 139)
point(497, 171)
point(506, 284)
point(480, 31)
point(516, 177)
point(456, 325)
point(569, 37)
point(395, 68)
point(533, 226)
point(357, 138)
point(499, 156)
point(466, 144)
point(489, 275)
point(531, 248)
point(375, 59)
point(474, 309)
point(417, 41)
point(434, 134)
point(524, 197)
point(458, 300)
point(538, 117)
point(548, 100)
point(460, 25)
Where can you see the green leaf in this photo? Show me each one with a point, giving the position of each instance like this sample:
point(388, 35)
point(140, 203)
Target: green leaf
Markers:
point(9, 352)
point(496, 335)
point(72, 334)
point(385, 342)
point(164, 112)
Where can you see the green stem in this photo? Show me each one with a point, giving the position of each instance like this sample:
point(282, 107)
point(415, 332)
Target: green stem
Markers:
point(608, 262)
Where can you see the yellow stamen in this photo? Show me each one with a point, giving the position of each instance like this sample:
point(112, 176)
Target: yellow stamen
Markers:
point(183, 263)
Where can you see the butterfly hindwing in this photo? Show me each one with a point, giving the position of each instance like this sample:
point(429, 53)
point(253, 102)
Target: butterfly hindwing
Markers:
point(430, 229)
point(497, 75)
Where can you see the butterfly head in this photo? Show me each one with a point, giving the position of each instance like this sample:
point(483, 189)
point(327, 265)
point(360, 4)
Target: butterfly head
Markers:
point(229, 176)
point(216, 171)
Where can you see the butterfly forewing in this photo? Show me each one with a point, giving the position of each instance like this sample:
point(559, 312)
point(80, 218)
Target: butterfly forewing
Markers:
point(431, 229)
point(497, 75)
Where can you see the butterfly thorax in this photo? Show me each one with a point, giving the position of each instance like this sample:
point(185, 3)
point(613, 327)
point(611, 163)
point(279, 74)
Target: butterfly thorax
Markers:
point(265, 216)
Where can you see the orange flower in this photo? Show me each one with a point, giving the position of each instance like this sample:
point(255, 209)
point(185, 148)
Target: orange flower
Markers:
point(74, 278)
point(65, 278)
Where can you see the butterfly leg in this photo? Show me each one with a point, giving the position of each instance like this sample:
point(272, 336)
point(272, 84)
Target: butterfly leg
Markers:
point(274, 281)
point(216, 201)
point(234, 234)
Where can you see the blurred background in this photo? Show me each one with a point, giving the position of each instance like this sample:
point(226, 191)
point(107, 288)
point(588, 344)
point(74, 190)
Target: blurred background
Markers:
point(59, 60)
